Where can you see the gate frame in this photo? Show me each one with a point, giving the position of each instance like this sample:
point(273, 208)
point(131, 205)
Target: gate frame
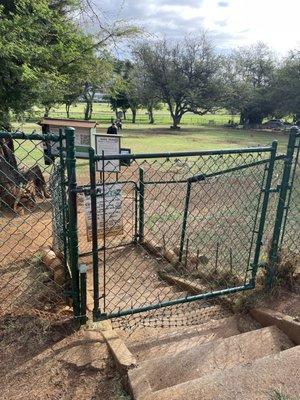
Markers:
point(285, 190)
point(265, 189)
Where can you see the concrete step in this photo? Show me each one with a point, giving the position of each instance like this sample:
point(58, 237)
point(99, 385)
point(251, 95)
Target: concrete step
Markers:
point(184, 338)
point(255, 380)
point(207, 358)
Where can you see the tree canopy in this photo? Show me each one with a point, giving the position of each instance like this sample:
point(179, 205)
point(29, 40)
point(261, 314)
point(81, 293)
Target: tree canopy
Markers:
point(186, 75)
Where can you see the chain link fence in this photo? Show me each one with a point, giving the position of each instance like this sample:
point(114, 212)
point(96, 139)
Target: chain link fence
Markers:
point(153, 245)
point(26, 228)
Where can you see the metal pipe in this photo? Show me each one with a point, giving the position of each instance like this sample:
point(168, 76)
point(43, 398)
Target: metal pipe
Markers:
point(94, 230)
point(187, 299)
point(184, 154)
point(288, 163)
point(72, 210)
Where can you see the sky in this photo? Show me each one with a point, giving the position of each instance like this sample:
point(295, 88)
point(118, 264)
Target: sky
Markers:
point(231, 23)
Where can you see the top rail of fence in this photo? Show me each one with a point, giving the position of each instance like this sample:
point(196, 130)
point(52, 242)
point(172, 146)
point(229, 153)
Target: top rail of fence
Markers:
point(29, 136)
point(243, 150)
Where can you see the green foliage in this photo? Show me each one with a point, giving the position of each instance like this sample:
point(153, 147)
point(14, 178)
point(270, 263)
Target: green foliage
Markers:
point(187, 75)
point(41, 49)
point(250, 75)
point(287, 86)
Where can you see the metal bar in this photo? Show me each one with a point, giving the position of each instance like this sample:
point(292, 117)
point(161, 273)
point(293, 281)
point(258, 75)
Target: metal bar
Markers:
point(187, 299)
point(72, 213)
point(288, 163)
point(185, 220)
point(89, 253)
point(64, 204)
point(262, 189)
point(135, 240)
point(94, 230)
point(263, 214)
point(83, 293)
point(30, 136)
point(184, 154)
point(85, 188)
point(291, 187)
point(104, 232)
point(141, 205)
point(202, 177)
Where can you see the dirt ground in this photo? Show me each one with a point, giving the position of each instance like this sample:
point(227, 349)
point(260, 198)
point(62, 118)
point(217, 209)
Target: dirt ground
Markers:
point(45, 361)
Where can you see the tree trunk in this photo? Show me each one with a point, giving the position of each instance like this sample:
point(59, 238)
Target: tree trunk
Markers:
point(176, 121)
point(133, 110)
point(68, 105)
point(151, 116)
point(124, 113)
point(47, 110)
point(88, 110)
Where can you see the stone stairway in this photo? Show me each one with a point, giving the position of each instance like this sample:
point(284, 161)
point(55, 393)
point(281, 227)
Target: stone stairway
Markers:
point(217, 360)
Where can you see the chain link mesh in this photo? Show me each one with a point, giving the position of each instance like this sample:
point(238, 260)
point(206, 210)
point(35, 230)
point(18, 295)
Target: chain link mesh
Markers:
point(220, 235)
point(291, 228)
point(26, 228)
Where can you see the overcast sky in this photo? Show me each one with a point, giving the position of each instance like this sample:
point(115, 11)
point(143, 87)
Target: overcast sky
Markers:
point(232, 22)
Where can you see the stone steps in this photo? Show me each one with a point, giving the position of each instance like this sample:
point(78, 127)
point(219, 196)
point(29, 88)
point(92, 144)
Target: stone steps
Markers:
point(256, 380)
point(205, 359)
point(183, 339)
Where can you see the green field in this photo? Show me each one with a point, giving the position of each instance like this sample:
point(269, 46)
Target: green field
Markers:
point(147, 139)
point(103, 113)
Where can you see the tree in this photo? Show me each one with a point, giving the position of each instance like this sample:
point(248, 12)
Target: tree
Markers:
point(186, 75)
point(250, 76)
point(35, 54)
point(97, 78)
point(124, 92)
point(286, 89)
point(42, 49)
point(146, 92)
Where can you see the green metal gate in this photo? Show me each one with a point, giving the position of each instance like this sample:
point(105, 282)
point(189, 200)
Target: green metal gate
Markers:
point(200, 216)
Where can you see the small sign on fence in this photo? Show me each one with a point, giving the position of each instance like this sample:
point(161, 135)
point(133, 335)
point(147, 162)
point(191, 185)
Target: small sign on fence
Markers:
point(109, 211)
point(110, 145)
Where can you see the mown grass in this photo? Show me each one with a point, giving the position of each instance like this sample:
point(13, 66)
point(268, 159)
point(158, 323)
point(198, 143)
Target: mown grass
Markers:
point(103, 113)
point(146, 139)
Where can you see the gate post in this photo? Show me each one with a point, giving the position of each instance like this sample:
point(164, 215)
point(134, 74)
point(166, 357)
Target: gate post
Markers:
point(141, 205)
point(263, 216)
point(281, 206)
point(72, 213)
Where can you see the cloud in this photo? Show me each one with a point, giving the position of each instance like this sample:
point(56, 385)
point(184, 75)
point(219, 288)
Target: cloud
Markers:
point(231, 23)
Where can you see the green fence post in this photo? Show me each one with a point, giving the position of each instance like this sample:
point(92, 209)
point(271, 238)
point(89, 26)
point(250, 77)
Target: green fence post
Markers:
point(93, 195)
point(141, 205)
point(266, 189)
point(284, 188)
point(63, 202)
point(185, 220)
point(72, 212)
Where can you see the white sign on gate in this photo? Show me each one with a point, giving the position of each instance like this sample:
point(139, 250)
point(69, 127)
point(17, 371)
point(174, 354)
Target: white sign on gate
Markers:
point(110, 145)
point(112, 205)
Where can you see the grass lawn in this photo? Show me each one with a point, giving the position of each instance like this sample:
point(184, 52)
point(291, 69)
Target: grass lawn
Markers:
point(103, 113)
point(159, 138)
